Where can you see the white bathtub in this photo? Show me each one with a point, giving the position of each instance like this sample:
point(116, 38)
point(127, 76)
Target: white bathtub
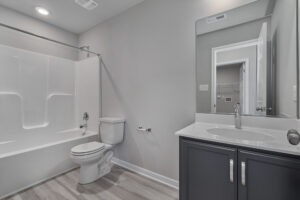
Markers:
point(28, 159)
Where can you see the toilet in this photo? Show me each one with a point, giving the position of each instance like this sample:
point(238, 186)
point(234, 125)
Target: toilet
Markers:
point(95, 158)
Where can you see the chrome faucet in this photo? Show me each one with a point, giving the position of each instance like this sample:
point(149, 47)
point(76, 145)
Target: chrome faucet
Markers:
point(85, 125)
point(237, 116)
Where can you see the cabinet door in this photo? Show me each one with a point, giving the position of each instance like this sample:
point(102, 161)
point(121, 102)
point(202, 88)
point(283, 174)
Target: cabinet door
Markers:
point(267, 177)
point(207, 172)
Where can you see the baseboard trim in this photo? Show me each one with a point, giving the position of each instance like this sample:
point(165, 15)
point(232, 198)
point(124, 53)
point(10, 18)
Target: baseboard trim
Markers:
point(147, 173)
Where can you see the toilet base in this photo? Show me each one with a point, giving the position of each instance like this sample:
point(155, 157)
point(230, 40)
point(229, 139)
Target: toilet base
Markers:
point(93, 171)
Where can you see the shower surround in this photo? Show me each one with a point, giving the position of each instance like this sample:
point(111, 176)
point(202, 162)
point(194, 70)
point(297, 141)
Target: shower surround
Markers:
point(40, 109)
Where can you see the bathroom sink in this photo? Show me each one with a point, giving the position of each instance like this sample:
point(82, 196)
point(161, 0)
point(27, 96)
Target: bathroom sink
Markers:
point(240, 134)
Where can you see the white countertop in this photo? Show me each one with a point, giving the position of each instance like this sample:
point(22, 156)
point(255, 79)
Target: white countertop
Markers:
point(276, 142)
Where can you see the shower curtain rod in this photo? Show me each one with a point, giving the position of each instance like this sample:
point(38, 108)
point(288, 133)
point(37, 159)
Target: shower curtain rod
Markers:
point(49, 39)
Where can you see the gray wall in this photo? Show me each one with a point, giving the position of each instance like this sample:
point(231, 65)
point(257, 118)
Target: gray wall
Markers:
point(206, 42)
point(23, 41)
point(149, 52)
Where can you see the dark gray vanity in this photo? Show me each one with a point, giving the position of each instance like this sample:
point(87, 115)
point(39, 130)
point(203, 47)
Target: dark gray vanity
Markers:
point(247, 64)
point(216, 171)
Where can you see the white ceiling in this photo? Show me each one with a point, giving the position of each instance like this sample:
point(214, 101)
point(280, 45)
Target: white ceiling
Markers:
point(68, 15)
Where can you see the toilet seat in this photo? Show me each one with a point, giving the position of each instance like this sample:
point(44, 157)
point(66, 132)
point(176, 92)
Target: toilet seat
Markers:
point(87, 149)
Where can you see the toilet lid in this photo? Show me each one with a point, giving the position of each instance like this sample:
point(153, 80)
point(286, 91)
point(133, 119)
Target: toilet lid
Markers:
point(88, 148)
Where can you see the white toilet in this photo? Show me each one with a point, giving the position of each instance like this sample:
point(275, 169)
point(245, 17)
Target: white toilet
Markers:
point(94, 158)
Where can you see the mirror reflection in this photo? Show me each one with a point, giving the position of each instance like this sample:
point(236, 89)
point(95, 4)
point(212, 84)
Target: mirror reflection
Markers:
point(247, 56)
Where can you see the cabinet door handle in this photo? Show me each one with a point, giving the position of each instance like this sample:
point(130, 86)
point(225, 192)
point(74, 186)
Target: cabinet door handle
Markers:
point(243, 175)
point(231, 166)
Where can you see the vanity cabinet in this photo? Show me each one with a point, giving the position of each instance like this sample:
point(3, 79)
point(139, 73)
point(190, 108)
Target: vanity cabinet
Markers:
point(222, 172)
point(268, 177)
point(207, 172)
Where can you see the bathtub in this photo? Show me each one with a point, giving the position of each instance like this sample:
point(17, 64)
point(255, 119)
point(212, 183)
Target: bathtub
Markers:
point(28, 159)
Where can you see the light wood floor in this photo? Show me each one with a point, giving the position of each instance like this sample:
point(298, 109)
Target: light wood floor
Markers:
point(120, 184)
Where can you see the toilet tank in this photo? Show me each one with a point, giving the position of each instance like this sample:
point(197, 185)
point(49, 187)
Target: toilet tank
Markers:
point(112, 130)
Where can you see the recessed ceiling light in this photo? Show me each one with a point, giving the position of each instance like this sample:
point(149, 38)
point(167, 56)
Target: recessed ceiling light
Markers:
point(42, 11)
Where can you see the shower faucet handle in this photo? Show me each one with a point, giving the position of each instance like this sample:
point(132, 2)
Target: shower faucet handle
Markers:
point(86, 116)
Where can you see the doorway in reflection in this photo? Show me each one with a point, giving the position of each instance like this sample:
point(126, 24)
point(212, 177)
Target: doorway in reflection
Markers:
point(229, 87)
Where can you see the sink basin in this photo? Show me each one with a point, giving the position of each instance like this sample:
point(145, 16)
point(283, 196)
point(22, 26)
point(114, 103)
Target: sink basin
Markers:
point(239, 134)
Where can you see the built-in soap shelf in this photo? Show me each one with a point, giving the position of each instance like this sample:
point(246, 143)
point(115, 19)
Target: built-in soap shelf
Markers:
point(51, 99)
point(58, 94)
point(11, 93)
point(13, 102)
point(35, 127)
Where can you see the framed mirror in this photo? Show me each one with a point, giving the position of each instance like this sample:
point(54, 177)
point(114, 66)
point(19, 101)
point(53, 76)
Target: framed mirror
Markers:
point(249, 56)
